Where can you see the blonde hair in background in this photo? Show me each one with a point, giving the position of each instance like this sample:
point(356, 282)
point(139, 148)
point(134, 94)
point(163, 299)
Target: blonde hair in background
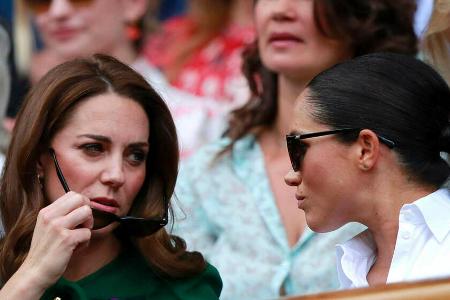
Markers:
point(23, 37)
point(436, 42)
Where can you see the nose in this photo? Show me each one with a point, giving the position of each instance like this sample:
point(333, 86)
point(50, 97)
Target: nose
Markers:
point(113, 174)
point(284, 11)
point(293, 178)
point(59, 8)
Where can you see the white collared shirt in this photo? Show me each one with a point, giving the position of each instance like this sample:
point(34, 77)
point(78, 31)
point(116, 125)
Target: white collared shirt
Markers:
point(422, 249)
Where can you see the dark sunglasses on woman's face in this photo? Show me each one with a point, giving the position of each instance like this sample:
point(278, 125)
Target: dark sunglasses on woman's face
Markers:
point(41, 6)
point(134, 226)
point(297, 149)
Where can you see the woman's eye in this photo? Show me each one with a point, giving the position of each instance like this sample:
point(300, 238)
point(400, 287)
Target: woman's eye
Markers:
point(303, 147)
point(136, 157)
point(92, 148)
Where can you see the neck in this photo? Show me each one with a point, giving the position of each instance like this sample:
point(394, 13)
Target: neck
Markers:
point(91, 258)
point(382, 207)
point(288, 92)
point(125, 53)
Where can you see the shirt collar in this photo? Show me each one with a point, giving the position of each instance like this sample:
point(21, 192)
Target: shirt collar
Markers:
point(354, 260)
point(434, 209)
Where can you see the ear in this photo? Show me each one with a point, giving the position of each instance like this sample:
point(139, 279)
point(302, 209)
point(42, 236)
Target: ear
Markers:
point(39, 165)
point(39, 168)
point(134, 10)
point(368, 147)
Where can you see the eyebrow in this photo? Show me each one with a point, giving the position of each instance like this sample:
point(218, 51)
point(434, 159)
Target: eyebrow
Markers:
point(105, 139)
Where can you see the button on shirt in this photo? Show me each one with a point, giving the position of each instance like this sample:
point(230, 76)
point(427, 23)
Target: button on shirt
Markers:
point(422, 249)
point(230, 215)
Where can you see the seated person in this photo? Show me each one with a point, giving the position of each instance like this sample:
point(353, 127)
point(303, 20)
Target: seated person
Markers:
point(116, 143)
point(364, 147)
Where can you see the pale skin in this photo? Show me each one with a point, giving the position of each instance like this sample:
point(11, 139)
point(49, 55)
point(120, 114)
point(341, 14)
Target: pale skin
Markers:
point(76, 30)
point(70, 31)
point(102, 152)
point(373, 187)
point(295, 61)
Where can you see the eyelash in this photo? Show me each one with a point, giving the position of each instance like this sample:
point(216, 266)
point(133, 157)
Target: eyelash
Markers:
point(136, 156)
point(92, 149)
point(303, 148)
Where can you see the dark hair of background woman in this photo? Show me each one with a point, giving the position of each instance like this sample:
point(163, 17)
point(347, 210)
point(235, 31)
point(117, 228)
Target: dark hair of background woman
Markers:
point(48, 106)
point(398, 97)
point(367, 25)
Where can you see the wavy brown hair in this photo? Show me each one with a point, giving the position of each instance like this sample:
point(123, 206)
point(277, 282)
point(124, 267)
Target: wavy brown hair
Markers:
point(366, 25)
point(46, 109)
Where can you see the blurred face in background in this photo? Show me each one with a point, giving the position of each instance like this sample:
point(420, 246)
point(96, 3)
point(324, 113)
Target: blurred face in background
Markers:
point(74, 28)
point(290, 42)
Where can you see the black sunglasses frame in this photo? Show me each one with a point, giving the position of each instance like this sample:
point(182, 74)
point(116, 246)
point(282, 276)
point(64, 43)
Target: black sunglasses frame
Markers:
point(297, 151)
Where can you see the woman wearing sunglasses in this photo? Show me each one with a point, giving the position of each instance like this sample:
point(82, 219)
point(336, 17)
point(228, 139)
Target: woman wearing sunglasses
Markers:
point(85, 192)
point(365, 147)
point(233, 193)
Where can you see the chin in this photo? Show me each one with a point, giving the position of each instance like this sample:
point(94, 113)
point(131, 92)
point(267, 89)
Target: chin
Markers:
point(104, 231)
point(321, 227)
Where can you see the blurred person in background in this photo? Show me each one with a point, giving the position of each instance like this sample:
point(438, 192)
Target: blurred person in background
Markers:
point(5, 81)
point(200, 51)
point(99, 123)
point(422, 16)
point(236, 207)
point(70, 29)
point(378, 123)
point(47, 33)
point(436, 41)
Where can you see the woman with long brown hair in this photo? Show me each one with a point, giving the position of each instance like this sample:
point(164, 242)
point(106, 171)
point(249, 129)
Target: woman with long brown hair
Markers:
point(238, 210)
point(86, 188)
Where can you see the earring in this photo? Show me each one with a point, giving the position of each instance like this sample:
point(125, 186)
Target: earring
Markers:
point(365, 167)
point(133, 31)
point(40, 179)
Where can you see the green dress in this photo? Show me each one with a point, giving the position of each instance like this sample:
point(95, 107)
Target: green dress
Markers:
point(129, 277)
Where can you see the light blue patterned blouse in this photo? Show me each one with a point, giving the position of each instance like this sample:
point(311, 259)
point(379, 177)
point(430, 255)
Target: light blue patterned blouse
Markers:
point(230, 215)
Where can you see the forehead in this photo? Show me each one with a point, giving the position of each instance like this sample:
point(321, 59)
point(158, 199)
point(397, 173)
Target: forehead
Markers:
point(109, 114)
point(302, 120)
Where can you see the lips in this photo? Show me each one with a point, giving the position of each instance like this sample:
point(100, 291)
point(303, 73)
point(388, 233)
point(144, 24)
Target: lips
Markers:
point(300, 201)
point(64, 33)
point(280, 38)
point(105, 204)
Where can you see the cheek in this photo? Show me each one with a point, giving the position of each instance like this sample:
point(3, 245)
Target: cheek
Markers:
point(329, 194)
point(42, 24)
point(52, 187)
point(79, 177)
point(136, 181)
point(133, 185)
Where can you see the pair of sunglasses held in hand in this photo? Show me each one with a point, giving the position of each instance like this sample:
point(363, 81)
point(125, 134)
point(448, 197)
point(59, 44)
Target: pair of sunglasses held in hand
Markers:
point(133, 226)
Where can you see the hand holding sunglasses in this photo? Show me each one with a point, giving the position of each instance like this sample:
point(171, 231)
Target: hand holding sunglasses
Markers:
point(134, 226)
